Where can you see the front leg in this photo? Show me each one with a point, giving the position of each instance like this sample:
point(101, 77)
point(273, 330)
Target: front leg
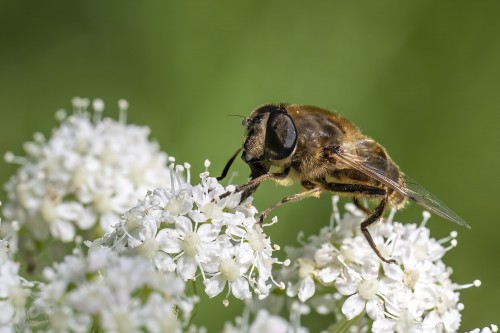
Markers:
point(249, 187)
point(228, 165)
point(294, 197)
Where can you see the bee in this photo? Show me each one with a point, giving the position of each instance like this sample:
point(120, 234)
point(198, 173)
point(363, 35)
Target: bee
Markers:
point(324, 151)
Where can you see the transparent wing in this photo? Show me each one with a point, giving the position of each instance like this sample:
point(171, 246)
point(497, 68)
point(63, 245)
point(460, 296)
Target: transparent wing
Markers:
point(362, 157)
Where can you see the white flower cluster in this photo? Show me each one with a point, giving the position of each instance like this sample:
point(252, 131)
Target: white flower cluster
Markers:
point(192, 231)
point(90, 170)
point(337, 271)
point(107, 292)
point(14, 294)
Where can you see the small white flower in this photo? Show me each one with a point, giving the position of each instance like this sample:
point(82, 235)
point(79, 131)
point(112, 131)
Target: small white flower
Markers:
point(367, 294)
point(192, 246)
point(304, 287)
point(233, 263)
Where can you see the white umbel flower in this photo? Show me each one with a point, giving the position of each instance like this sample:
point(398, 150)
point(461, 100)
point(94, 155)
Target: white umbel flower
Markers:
point(113, 293)
point(415, 296)
point(193, 231)
point(84, 176)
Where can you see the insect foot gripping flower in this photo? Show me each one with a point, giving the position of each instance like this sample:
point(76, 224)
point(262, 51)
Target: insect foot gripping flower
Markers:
point(191, 231)
point(84, 176)
point(337, 272)
point(14, 293)
point(108, 292)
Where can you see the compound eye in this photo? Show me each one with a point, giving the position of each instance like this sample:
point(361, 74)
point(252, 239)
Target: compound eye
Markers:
point(281, 135)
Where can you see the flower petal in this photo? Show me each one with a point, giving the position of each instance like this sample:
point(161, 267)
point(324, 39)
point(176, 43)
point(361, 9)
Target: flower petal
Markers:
point(197, 216)
point(353, 306)
point(240, 288)
point(63, 230)
point(186, 267)
point(346, 288)
point(214, 285)
point(164, 262)
point(307, 289)
point(183, 225)
point(7, 313)
point(328, 274)
point(109, 221)
point(207, 232)
point(169, 240)
point(374, 309)
point(86, 220)
point(69, 210)
point(383, 325)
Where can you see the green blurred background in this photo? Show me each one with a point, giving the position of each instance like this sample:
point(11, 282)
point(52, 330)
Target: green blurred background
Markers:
point(421, 77)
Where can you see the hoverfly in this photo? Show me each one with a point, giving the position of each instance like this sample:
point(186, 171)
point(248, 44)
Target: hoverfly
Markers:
point(326, 152)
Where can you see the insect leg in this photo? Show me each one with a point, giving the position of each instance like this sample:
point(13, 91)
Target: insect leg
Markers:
point(293, 197)
point(372, 219)
point(355, 189)
point(228, 165)
point(360, 206)
point(249, 187)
